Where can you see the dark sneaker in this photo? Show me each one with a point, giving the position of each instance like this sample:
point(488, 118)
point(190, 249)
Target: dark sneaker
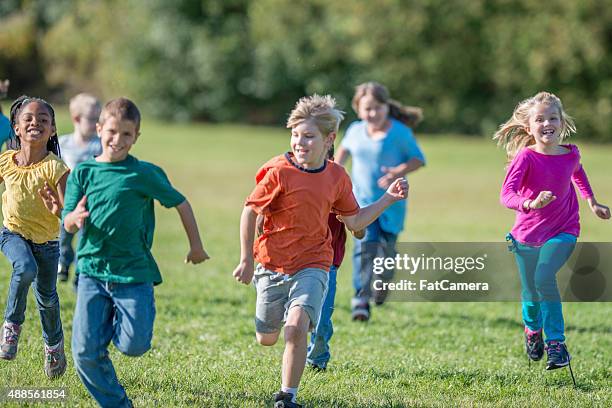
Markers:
point(55, 360)
point(360, 310)
point(9, 341)
point(557, 355)
point(283, 400)
point(317, 367)
point(534, 344)
point(62, 273)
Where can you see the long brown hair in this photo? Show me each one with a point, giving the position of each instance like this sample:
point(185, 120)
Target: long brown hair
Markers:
point(408, 115)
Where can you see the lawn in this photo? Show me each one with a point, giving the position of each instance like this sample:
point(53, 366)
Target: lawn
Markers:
point(410, 354)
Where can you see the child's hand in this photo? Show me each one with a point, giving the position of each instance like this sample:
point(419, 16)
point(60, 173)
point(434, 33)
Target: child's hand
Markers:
point(542, 200)
point(197, 255)
point(600, 210)
point(51, 200)
point(398, 190)
point(387, 178)
point(80, 213)
point(244, 272)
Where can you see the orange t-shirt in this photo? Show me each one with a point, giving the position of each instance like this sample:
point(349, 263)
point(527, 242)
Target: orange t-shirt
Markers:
point(296, 204)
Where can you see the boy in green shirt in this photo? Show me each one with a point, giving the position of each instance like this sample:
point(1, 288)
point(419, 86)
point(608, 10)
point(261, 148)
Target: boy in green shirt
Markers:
point(111, 199)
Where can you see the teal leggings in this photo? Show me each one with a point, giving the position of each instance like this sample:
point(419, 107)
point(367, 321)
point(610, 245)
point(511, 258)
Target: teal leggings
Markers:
point(538, 267)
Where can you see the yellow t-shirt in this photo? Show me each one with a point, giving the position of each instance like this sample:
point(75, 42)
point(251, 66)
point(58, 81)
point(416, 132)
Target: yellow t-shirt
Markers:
point(22, 208)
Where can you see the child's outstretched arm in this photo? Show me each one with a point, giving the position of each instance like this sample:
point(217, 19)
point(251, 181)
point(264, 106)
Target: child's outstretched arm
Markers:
point(398, 190)
point(245, 269)
point(54, 200)
point(196, 253)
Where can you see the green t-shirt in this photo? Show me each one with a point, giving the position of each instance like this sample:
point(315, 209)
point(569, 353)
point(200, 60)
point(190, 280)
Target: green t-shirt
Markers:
point(116, 240)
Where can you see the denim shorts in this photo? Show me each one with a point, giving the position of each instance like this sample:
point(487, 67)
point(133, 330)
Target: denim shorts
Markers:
point(279, 292)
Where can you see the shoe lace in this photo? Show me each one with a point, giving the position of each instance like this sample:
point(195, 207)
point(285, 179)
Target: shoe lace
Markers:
point(11, 334)
point(53, 356)
point(533, 339)
point(555, 350)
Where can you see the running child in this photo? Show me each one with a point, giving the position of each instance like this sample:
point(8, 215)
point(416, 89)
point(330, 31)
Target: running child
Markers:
point(295, 193)
point(382, 147)
point(83, 144)
point(111, 199)
point(539, 186)
point(35, 180)
point(318, 350)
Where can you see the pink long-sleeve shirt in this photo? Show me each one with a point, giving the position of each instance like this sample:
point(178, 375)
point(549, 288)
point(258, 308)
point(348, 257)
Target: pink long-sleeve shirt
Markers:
point(531, 172)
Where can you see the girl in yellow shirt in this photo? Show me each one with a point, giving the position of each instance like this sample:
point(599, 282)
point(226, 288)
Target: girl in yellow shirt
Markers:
point(35, 179)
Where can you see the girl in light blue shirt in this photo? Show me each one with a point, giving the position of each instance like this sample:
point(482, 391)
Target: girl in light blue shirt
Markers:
point(382, 147)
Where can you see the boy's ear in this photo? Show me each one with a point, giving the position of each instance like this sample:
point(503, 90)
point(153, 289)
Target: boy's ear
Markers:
point(98, 128)
point(332, 136)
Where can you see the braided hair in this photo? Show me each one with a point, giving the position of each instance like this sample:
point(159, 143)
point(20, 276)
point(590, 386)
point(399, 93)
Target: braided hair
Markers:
point(14, 143)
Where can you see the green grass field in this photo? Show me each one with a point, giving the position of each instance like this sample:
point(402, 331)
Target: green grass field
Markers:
point(410, 354)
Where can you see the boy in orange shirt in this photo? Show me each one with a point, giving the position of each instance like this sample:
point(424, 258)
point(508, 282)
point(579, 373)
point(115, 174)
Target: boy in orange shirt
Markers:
point(295, 193)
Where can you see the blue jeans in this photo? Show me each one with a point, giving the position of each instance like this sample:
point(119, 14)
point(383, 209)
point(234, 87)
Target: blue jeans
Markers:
point(123, 313)
point(538, 267)
point(376, 243)
point(33, 263)
point(318, 350)
point(67, 254)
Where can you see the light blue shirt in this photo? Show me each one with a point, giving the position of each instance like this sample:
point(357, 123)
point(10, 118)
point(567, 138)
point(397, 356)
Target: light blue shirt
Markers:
point(74, 153)
point(368, 156)
point(5, 129)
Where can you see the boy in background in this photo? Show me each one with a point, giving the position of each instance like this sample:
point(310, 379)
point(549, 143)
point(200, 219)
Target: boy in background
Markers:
point(83, 144)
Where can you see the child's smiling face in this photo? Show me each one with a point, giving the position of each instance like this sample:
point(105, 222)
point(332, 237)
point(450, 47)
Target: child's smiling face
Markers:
point(308, 144)
point(372, 111)
point(545, 124)
point(117, 137)
point(34, 124)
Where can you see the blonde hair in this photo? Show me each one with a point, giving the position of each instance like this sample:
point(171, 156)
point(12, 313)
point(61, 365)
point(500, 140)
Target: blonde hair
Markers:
point(321, 109)
point(408, 115)
point(512, 135)
point(80, 103)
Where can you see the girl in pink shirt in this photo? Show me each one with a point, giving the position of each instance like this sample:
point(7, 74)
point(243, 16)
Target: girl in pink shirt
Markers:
point(539, 186)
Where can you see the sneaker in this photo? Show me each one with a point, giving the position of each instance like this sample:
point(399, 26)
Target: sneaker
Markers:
point(62, 273)
point(284, 400)
point(9, 341)
point(55, 360)
point(380, 296)
point(361, 310)
point(534, 344)
point(557, 355)
point(317, 367)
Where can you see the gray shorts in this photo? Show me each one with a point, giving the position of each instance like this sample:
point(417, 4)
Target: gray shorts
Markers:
point(278, 292)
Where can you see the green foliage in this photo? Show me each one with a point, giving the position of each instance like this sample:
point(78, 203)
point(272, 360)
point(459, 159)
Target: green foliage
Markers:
point(466, 63)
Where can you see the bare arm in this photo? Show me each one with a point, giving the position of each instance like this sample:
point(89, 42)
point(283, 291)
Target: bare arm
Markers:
point(598, 209)
point(54, 200)
point(341, 156)
point(245, 269)
point(391, 173)
point(398, 190)
point(196, 253)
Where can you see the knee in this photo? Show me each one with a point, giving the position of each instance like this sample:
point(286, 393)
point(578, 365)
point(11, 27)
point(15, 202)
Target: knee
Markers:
point(134, 348)
point(25, 270)
point(47, 302)
point(295, 334)
point(267, 339)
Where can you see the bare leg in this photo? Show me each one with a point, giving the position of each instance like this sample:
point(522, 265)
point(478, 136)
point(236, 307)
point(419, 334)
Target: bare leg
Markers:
point(294, 357)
